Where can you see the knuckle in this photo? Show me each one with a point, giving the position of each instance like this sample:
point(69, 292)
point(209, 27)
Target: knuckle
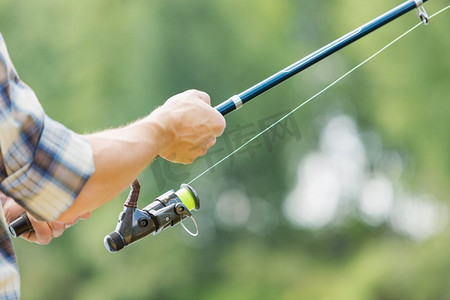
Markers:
point(200, 95)
point(212, 142)
point(219, 128)
point(202, 151)
point(192, 92)
point(205, 96)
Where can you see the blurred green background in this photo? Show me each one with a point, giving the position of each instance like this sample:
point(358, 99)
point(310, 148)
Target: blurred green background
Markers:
point(346, 199)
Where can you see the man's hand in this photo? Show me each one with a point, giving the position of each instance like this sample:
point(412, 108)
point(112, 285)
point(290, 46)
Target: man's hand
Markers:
point(180, 130)
point(189, 125)
point(43, 232)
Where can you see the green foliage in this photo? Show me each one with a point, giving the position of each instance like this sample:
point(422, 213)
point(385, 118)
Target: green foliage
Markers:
point(98, 64)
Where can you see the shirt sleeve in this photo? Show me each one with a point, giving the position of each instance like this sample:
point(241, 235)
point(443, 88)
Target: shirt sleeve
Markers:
point(43, 165)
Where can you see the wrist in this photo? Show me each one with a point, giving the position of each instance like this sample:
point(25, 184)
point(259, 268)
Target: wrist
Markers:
point(160, 130)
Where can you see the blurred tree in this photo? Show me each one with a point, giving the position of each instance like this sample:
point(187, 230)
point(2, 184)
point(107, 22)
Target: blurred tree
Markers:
point(100, 64)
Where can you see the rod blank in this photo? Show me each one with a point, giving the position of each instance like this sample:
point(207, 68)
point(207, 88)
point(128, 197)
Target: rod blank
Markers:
point(232, 104)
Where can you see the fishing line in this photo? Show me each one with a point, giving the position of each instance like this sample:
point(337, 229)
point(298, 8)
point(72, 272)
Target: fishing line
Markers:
point(173, 207)
point(315, 96)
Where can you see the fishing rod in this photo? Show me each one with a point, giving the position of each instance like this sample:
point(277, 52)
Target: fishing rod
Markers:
point(173, 207)
point(237, 101)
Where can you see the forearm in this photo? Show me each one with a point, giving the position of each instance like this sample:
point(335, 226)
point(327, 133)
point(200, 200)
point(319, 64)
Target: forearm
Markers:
point(119, 156)
point(179, 131)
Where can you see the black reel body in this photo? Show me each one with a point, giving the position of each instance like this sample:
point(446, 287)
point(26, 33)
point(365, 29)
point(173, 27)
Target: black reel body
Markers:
point(167, 210)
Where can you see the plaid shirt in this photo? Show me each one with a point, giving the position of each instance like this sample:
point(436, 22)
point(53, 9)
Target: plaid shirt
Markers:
point(43, 165)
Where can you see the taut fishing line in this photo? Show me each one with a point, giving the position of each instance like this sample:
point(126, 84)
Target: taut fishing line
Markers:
point(314, 96)
point(172, 207)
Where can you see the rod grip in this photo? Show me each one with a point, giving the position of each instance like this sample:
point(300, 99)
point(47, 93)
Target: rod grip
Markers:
point(20, 225)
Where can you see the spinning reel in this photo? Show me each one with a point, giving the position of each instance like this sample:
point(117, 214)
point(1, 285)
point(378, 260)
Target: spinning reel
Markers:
point(166, 211)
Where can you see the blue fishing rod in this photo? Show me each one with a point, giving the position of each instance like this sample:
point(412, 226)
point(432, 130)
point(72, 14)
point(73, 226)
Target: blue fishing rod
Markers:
point(173, 207)
point(237, 101)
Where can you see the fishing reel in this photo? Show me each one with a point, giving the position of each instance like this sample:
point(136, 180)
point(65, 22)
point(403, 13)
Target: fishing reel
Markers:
point(166, 211)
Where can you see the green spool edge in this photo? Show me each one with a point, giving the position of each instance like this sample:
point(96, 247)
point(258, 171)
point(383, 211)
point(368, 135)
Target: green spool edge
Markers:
point(187, 196)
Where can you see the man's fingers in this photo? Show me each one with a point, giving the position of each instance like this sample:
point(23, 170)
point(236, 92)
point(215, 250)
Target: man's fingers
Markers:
point(57, 229)
point(42, 233)
point(202, 95)
point(211, 142)
point(219, 124)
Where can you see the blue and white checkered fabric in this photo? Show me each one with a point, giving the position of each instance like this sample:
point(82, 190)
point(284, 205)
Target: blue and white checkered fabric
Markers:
point(43, 165)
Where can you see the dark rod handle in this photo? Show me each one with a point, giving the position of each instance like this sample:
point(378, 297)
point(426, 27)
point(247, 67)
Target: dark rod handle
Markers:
point(20, 225)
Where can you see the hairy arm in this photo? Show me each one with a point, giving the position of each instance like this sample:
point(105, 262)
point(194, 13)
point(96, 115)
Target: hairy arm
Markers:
point(180, 131)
